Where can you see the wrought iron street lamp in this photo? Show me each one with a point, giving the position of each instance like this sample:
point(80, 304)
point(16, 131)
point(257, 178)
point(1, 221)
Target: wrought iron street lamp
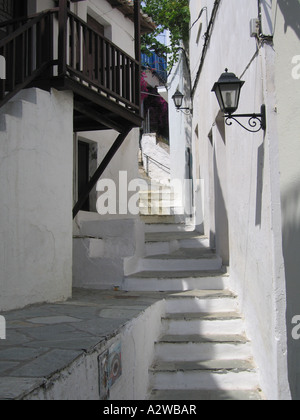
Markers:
point(178, 101)
point(228, 90)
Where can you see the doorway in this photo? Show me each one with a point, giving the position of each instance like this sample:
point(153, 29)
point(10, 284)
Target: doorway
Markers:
point(83, 171)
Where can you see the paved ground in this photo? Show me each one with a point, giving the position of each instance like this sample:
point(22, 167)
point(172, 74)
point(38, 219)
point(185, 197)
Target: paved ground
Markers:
point(42, 339)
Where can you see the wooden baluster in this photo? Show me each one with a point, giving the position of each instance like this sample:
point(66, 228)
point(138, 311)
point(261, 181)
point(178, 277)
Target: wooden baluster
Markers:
point(62, 38)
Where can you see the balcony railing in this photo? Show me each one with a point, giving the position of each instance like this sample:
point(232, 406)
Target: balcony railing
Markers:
point(96, 62)
point(57, 44)
point(28, 53)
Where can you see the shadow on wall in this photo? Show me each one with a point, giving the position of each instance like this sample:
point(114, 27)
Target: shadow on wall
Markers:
point(260, 183)
point(291, 240)
point(291, 12)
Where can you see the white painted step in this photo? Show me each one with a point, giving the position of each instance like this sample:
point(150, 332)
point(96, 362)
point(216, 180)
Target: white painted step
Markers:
point(202, 301)
point(158, 209)
point(166, 224)
point(157, 222)
point(176, 281)
point(182, 260)
point(212, 323)
point(196, 237)
point(206, 375)
point(165, 243)
point(206, 395)
point(158, 195)
point(189, 348)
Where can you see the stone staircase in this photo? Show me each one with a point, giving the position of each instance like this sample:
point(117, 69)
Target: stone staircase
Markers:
point(203, 352)
point(176, 260)
point(159, 202)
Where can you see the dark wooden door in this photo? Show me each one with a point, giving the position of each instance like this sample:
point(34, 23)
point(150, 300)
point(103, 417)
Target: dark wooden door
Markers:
point(83, 171)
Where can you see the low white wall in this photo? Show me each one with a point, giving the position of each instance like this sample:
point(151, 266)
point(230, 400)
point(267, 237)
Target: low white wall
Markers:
point(105, 250)
point(36, 155)
point(81, 380)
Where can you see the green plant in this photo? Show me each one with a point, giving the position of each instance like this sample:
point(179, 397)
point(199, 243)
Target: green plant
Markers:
point(170, 15)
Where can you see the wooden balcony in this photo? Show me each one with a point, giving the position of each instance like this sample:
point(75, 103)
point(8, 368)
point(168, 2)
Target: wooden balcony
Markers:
point(58, 49)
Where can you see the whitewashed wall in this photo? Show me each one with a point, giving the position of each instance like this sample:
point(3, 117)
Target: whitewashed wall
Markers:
point(287, 78)
point(180, 126)
point(36, 155)
point(241, 179)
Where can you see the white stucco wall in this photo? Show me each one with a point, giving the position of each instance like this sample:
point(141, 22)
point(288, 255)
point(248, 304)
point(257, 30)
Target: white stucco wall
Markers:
point(180, 126)
point(117, 27)
point(287, 78)
point(242, 213)
point(36, 161)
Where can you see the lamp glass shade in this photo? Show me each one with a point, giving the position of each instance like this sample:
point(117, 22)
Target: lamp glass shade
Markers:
point(178, 99)
point(228, 90)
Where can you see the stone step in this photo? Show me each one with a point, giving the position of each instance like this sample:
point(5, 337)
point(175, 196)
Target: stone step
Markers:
point(206, 395)
point(202, 301)
point(182, 260)
point(164, 224)
point(164, 193)
point(166, 243)
point(144, 204)
point(204, 375)
point(189, 348)
point(158, 220)
point(175, 281)
point(158, 209)
point(203, 323)
point(193, 236)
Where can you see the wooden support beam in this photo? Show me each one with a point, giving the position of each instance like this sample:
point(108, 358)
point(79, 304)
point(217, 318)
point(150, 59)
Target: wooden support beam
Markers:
point(96, 116)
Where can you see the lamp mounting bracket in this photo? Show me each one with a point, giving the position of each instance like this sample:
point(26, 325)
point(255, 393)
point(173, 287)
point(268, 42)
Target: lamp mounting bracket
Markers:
point(256, 122)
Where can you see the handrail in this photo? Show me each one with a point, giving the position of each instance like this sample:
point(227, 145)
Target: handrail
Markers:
point(25, 18)
point(22, 29)
point(28, 52)
point(163, 167)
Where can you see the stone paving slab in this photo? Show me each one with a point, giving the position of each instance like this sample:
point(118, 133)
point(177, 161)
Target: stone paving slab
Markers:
point(43, 339)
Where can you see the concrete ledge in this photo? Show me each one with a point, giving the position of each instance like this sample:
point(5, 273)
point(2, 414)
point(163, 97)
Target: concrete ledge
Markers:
point(57, 351)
